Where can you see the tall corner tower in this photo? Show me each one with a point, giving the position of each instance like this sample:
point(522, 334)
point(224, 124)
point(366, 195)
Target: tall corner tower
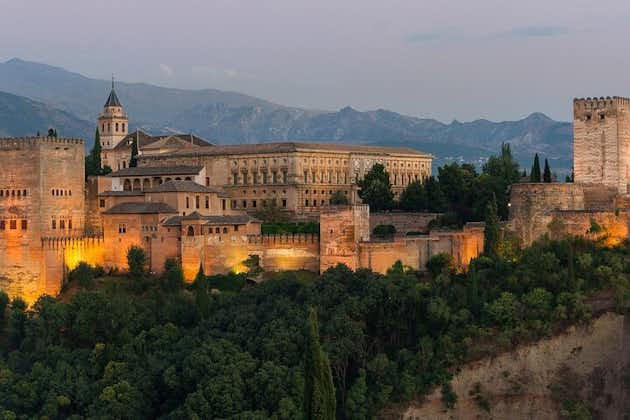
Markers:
point(601, 142)
point(113, 124)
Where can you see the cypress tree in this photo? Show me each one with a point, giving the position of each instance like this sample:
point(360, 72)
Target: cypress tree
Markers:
point(96, 152)
point(319, 391)
point(535, 173)
point(202, 294)
point(547, 172)
point(492, 229)
point(134, 154)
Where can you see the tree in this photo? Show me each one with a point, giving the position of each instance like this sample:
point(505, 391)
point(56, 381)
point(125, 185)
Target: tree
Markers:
point(4, 302)
point(136, 260)
point(436, 202)
point(173, 275)
point(52, 132)
point(414, 197)
point(338, 198)
point(133, 162)
point(503, 166)
point(270, 212)
point(319, 391)
point(202, 293)
point(534, 175)
point(375, 189)
point(93, 160)
point(83, 274)
point(492, 230)
point(547, 172)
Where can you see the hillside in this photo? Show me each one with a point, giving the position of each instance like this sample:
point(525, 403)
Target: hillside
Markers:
point(230, 117)
point(20, 116)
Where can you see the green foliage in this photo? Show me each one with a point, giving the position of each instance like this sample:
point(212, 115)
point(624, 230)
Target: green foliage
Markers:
point(440, 263)
point(4, 303)
point(384, 231)
point(288, 227)
point(375, 189)
point(547, 172)
point(253, 265)
point(534, 175)
point(83, 274)
point(270, 213)
point(240, 352)
point(136, 261)
point(339, 198)
point(492, 229)
point(319, 392)
point(133, 161)
point(93, 160)
point(414, 197)
point(449, 397)
point(173, 277)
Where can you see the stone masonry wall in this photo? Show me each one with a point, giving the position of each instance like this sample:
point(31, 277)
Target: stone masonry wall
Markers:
point(532, 206)
point(403, 222)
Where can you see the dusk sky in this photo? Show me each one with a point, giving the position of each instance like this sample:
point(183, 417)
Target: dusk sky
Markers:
point(461, 59)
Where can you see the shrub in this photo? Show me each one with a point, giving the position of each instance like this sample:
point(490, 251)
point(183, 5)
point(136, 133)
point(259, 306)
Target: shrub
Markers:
point(136, 260)
point(384, 230)
point(277, 228)
point(173, 278)
point(338, 198)
point(83, 273)
point(449, 397)
point(439, 263)
point(4, 302)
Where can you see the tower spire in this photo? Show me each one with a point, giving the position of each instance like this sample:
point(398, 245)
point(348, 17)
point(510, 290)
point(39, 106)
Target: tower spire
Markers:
point(112, 81)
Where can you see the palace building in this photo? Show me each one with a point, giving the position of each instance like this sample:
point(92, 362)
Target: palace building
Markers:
point(196, 203)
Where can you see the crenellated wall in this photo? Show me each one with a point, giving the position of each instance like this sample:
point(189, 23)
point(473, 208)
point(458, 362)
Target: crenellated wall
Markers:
point(403, 222)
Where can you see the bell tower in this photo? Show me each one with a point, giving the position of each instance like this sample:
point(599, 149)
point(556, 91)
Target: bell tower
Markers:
point(113, 124)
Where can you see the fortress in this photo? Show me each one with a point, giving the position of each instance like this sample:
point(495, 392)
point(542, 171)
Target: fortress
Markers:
point(196, 202)
point(596, 204)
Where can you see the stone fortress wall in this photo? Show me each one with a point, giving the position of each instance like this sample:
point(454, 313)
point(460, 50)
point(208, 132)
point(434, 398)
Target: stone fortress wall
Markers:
point(41, 184)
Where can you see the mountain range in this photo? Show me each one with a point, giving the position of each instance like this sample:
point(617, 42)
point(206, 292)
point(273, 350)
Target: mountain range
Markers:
point(34, 96)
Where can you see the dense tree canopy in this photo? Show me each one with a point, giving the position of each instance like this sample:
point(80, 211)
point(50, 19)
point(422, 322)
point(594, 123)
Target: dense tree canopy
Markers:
point(145, 348)
point(375, 189)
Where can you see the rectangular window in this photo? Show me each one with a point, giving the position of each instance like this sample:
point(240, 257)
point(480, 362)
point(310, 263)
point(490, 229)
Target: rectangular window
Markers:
point(285, 177)
point(274, 177)
point(254, 203)
point(264, 177)
point(196, 201)
point(235, 179)
point(305, 203)
point(255, 176)
point(62, 224)
point(305, 176)
point(101, 203)
point(122, 228)
point(187, 202)
point(233, 204)
point(13, 224)
point(207, 181)
point(54, 224)
point(24, 224)
point(207, 202)
point(284, 203)
point(69, 223)
point(3, 225)
point(223, 204)
point(235, 228)
point(244, 203)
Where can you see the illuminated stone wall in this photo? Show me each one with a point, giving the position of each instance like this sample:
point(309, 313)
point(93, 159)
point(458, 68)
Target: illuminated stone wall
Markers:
point(609, 226)
point(415, 251)
point(402, 221)
point(42, 183)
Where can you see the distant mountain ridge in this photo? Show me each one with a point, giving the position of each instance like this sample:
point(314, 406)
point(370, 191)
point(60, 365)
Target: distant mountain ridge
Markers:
point(230, 117)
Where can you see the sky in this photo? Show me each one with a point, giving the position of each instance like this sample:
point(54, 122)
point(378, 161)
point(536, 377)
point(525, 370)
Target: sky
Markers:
point(445, 59)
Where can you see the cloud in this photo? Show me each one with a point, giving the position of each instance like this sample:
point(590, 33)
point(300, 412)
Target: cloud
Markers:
point(536, 31)
point(166, 69)
point(418, 37)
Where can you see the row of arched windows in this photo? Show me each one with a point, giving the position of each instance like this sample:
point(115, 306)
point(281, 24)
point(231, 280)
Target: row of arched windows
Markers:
point(116, 127)
point(13, 193)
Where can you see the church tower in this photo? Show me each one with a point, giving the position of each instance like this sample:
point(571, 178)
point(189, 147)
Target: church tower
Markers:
point(113, 124)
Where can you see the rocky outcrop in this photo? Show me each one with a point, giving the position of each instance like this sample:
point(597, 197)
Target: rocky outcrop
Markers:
point(590, 363)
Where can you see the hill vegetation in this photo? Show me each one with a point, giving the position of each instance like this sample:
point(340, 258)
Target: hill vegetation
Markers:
point(140, 346)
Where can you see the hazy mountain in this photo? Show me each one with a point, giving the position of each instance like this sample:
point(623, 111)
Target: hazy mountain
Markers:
point(21, 116)
point(229, 117)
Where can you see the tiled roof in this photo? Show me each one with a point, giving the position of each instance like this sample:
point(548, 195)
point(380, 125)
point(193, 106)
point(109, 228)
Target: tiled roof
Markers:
point(184, 186)
point(236, 219)
point(140, 208)
point(285, 147)
point(121, 193)
point(147, 141)
point(157, 170)
point(112, 100)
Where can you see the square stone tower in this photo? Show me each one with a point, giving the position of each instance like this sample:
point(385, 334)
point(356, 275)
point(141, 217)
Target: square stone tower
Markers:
point(601, 142)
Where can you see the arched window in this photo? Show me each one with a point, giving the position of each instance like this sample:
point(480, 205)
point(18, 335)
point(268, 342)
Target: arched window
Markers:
point(146, 184)
point(136, 184)
point(109, 127)
point(123, 127)
point(191, 231)
point(127, 185)
point(103, 129)
point(116, 127)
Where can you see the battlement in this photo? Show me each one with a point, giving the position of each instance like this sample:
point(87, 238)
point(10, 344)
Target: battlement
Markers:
point(284, 239)
point(58, 242)
point(12, 143)
point(597, 109)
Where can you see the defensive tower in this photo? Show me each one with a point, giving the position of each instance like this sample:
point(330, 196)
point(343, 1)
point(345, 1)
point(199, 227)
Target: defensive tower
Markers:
point(601, 142)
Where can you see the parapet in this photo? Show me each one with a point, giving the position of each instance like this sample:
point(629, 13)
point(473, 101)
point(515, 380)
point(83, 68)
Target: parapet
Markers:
point(284, 239)
point(13, 143)
point(594, 109)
